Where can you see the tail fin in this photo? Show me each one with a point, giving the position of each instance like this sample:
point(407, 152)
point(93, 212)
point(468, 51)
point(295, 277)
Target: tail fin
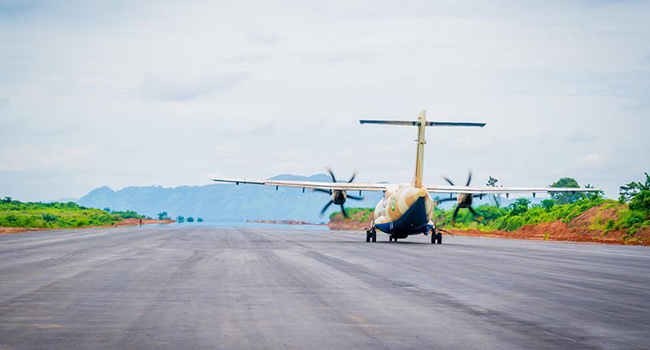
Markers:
point(421, 123)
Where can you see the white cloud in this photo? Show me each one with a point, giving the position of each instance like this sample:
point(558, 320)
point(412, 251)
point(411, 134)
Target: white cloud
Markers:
point(25, 157)
point(182, 86)
point(595, 161)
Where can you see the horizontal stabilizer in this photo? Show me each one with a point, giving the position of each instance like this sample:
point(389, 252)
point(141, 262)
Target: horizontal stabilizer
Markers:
point(416, 123)
point(480, 125)
point(390, 122)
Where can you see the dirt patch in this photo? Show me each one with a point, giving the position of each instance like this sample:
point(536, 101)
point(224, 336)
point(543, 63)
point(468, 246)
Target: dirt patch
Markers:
point(597, 217)
point(559, 231)
point(584, 228)
point(354, 223)
point(125, 222)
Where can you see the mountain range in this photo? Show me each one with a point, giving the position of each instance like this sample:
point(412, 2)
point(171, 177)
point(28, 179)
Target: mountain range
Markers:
point(226, 202)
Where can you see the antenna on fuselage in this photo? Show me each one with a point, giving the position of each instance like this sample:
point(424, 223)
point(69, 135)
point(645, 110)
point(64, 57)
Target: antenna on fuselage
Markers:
point(421, 123)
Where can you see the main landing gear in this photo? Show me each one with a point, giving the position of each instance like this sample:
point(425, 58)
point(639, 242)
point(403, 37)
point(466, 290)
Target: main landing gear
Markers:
point(436, 236)
point(392, 239)
point(371, 235)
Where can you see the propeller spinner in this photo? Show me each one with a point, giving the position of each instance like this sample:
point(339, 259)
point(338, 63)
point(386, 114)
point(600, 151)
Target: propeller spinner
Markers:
point(338, 196)
point(464, 200)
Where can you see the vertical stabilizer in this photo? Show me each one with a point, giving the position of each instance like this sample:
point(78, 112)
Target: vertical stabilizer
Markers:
point(419, 160)
point(422, 124)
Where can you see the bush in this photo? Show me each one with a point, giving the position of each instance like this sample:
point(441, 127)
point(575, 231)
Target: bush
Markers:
point(641, 202)
point(548, 204)
point(127, 214)
point(47, 217)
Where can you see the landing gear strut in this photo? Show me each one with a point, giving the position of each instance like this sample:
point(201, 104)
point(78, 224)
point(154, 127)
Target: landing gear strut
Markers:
point(436, 236)
point(371, 235)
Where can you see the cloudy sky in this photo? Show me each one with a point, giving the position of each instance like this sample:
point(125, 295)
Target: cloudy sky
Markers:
point(124, 93)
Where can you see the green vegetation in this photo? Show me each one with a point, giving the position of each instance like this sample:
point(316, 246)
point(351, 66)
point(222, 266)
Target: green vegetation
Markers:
point(163, 216)
point(566, 198)
point(518, 214)
point(126, 214)
point(181, 219)
point(630, 214)
point(52, 215)
point(356, 214)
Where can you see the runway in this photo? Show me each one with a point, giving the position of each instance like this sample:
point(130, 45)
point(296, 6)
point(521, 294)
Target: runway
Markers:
point(262, 287)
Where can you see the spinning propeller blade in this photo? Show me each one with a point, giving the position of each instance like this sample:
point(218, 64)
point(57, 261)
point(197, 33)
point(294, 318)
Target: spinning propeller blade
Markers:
point(345, 213)
point(336, 195)
point(325, 207)
point(464, 200)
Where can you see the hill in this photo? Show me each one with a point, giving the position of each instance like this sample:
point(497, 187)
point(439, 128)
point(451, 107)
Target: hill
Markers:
point(224, 202)
point(52, 215)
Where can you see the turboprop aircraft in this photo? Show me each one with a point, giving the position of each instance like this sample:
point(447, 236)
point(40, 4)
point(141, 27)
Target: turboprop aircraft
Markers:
point(406, 209)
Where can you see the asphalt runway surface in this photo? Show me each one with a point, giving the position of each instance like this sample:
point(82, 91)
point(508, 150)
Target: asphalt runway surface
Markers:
point(201, 287)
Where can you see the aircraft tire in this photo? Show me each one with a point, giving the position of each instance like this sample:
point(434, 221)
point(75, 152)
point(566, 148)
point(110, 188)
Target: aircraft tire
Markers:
point(434, 237)
point(390, 238)
point(374, 235)
point(439, 238)
point(367, 235)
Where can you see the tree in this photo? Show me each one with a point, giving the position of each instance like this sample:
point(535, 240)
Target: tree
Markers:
point(520, 206)
point(107, 209)
point(641, 202)
point(566, 197)
point(495, 199)
point(199, 220)
point(7, 200)
point(190, 219)
point(548, 204)
point(629, 191)
point(163, 216)
point(180, 219)
point(594, 195)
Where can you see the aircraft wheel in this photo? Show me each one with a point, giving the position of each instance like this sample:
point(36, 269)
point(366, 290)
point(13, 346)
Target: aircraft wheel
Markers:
point(374, 235)
point(367, 235)
point(439, 237)
point(434, 237)
point(390, 238)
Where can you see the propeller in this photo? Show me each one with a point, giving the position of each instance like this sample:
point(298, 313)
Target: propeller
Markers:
point(338, 196)
point(464, 200)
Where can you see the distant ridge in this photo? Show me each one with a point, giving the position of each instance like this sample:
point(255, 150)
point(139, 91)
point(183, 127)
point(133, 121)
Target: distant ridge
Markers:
point(221, 202)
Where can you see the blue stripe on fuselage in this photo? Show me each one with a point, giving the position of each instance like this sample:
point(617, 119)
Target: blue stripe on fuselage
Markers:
point(414, 221)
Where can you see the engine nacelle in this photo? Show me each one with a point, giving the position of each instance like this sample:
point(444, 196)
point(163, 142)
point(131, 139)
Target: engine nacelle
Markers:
point(339, 197)
point(465, 200)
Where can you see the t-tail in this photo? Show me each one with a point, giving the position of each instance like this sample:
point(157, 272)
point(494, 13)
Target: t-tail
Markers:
point(421, 123)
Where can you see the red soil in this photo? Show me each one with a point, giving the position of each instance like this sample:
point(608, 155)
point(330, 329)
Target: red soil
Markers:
point(125, 222)
point(580, 229)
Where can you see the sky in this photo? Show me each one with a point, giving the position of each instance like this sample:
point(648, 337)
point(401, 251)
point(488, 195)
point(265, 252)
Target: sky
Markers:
point(171, 93)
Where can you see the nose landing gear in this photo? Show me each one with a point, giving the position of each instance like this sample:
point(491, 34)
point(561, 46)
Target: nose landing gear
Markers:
point(371, 234)
point(436, 236)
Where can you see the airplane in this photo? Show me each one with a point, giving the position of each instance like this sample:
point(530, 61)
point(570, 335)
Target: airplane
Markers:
point(406, 209)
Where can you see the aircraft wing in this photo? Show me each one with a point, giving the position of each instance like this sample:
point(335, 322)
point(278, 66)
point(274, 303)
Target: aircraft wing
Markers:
point(506, 190)
point(343, 186)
